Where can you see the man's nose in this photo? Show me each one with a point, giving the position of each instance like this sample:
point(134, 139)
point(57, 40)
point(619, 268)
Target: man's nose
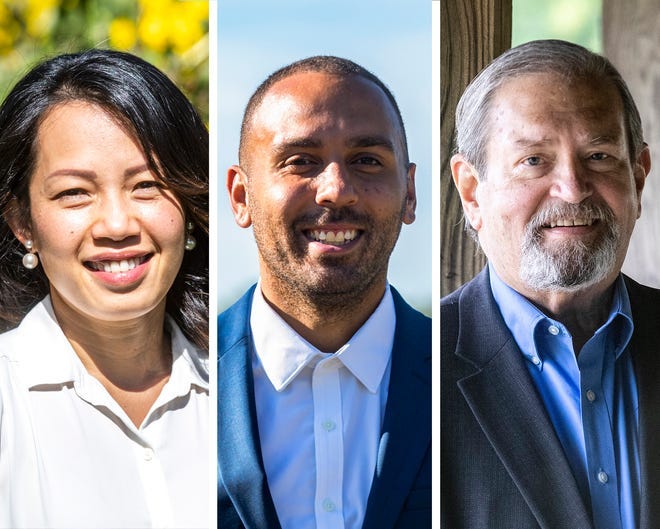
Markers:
point(572, 182)
point(334, 186)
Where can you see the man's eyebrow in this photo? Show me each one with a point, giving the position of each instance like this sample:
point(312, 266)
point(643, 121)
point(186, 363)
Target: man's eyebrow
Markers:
point(529, 142)
point(371, 141)
point(605, 138)
point(295, 143)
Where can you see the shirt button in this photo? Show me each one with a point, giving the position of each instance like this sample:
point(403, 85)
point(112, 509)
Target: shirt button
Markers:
point(591, 396)
point(536, 360)
point(329, 505)
point(603, 477)
point(554, 330)
point(329, 425)
point(148, 454)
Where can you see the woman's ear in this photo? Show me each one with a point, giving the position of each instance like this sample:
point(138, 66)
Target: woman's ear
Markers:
point(16, 221)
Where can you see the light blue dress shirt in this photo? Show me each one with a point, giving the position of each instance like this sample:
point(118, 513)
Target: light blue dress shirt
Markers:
point(591, 399)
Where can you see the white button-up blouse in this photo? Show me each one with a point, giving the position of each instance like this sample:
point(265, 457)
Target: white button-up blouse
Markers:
point(69, 455)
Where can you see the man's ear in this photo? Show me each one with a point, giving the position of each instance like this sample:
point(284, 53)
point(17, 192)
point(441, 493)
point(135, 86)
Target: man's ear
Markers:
point(411, 196)
point(640, 171)
point(466, 180)
point(238, 195)
point(16, 221)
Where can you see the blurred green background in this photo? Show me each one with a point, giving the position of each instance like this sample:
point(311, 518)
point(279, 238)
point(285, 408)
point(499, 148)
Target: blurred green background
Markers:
point(171, 34)
point(577, 21)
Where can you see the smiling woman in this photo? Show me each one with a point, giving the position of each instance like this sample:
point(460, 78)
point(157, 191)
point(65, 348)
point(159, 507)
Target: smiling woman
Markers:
point(104, 267)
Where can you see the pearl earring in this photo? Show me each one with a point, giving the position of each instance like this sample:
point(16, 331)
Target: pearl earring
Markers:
point(191, 242)
point(30, 259)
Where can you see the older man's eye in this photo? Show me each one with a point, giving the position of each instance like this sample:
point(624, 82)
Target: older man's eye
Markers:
point(598, 156)
point(533, 160)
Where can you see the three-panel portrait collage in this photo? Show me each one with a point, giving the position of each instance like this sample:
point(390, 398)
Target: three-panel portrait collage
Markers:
point(329, 265)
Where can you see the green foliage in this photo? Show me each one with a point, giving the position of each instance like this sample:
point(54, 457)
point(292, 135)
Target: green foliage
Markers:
point(578, 21)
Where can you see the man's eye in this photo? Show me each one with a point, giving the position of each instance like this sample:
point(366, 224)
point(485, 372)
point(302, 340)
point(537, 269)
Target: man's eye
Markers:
point(598, 156)
point(298, 160)
point(533, 160)
point(367, 160)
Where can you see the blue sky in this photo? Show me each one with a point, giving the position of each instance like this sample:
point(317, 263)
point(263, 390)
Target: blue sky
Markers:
point(390, 38)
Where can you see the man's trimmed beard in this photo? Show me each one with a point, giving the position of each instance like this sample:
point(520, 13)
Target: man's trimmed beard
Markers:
point(570, 265)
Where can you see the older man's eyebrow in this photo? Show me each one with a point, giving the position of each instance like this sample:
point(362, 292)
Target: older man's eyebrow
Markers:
point(371, 141)
point(605, 139)
point(525, 143)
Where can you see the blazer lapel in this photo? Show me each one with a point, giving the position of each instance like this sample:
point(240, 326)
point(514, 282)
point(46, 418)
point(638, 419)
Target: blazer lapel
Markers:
point(240, 463)
point(406, 436)
point(511, 414)
point(645, 304)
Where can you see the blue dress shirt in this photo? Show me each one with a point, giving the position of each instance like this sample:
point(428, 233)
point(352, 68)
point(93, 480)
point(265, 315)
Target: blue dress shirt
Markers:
point(591, 399)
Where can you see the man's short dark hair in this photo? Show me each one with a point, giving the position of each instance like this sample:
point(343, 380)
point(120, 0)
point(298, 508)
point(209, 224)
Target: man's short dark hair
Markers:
point(327, 64)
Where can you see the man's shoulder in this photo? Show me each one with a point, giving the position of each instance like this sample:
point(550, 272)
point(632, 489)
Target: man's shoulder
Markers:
point(476, 287)
point(404, 309)
point(637, 291)
point(644, 303)
point(233, 322)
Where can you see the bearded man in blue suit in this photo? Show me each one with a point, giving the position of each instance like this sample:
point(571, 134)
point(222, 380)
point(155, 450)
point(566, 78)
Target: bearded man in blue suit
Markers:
point(324, 372)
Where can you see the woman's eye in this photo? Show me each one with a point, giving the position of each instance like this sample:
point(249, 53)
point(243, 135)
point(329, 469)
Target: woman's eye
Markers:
point(147, 188)
point(71, 193)
point(148, 184)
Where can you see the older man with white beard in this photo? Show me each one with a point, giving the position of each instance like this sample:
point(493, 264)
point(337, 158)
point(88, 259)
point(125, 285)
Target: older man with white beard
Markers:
point(550, 375)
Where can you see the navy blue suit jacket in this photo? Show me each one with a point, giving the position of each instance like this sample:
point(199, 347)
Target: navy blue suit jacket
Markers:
point(502, 465)
point(400, 496)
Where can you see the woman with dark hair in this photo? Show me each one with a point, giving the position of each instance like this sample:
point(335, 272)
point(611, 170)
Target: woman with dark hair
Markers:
point(104, 297)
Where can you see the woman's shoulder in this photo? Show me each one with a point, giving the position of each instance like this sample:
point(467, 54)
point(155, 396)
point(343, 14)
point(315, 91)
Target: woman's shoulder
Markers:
point(36, 329)
point(184, 350)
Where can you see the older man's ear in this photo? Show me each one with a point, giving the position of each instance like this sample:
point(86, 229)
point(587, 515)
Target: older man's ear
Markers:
point(466, 180)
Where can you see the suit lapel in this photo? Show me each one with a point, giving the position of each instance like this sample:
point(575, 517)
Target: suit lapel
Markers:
point(239, 453)
point(509, 410)
point(646, 316)
point(406, 436)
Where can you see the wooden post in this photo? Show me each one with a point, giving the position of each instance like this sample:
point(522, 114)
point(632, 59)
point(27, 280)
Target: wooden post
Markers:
point(631, 40)
point(472, 34)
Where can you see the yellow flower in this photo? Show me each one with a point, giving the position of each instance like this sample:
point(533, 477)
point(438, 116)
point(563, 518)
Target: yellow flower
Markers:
point(198, 9)
point(186, 29)
point(40, 17)
point(122, 33)
point(153, 31)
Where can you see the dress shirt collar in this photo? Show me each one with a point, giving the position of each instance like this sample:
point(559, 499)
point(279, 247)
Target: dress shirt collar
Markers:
point(45, 356)
point(523, 318)
point(283, 353)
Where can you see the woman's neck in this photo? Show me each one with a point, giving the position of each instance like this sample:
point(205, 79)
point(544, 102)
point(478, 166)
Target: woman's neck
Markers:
point(132, 359)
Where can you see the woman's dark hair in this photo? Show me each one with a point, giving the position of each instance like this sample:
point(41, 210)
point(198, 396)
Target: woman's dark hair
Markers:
point(158, 116)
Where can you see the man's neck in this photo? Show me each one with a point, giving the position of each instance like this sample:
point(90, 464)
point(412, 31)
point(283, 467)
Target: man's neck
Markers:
point(583, 312)
point(326, 324)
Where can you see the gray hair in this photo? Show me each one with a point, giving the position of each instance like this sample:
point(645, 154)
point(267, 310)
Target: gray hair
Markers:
point(568, 60)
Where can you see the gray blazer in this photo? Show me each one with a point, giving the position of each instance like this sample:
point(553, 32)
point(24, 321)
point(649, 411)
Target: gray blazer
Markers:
point(502, 465)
